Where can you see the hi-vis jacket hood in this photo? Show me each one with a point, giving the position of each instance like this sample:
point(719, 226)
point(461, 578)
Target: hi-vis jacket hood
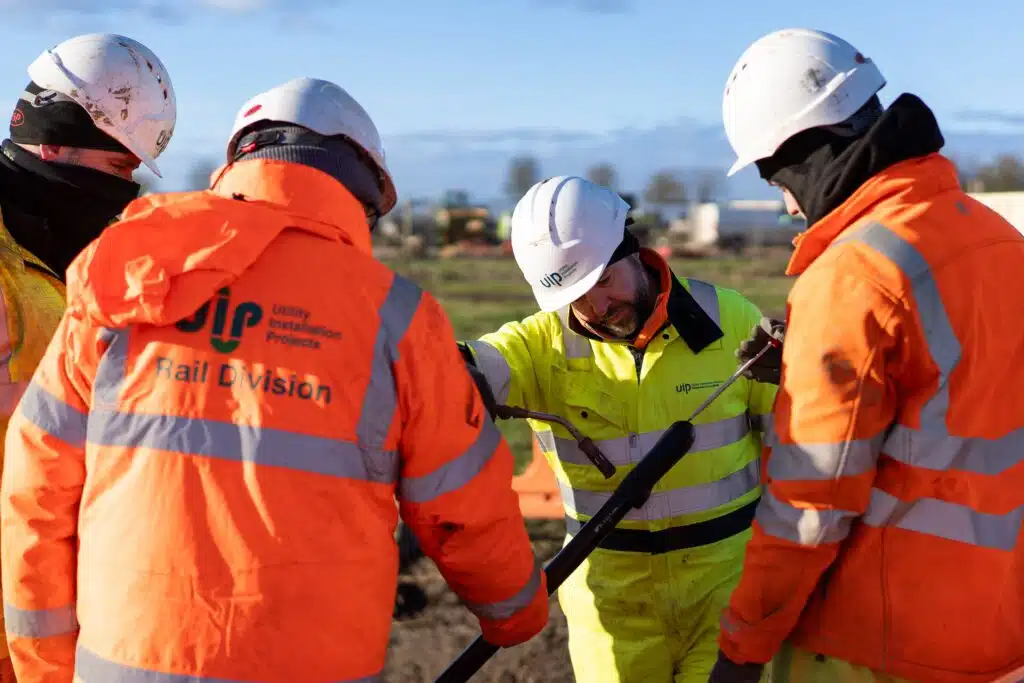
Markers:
point(162, 273)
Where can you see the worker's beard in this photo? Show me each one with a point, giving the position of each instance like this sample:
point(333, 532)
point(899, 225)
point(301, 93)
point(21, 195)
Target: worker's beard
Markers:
point(626, 320)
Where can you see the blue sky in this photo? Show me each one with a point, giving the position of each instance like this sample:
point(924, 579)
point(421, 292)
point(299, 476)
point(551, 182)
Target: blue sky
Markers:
point(495, 64)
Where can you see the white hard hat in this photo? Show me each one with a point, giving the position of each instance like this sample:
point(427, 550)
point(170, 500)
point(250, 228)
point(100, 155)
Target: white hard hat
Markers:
point(564, 231)
point(324, 108)
point(120, 82)
point(789, 81)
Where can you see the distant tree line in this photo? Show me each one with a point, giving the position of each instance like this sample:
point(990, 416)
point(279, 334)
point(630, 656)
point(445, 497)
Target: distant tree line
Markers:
point(666, 187)
point(1004, 174)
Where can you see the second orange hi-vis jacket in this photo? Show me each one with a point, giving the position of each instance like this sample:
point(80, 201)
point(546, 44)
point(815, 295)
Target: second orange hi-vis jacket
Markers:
point(890, 534)
point(201, 477)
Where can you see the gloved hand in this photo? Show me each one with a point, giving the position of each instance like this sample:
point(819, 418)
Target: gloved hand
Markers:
point(768, 368)
point(728, 671)
point(481, 382)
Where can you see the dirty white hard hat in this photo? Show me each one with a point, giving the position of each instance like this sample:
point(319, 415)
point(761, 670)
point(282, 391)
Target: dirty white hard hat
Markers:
point(564, 231)
point(325, 108)
point(121, 83)
point(790, 81)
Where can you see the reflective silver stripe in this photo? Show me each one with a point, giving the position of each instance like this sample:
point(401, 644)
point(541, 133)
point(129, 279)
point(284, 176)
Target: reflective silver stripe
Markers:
point(946, 520)
point(766, 425)
point(932, 446)
point(111, 369)
point(457, 472)
point(680, 501)
point(805, 526)
point(943, 346)
point(632, 448)
point(706, 297)
point(547, 440)
point(366, 460)
point(506, 609)
point(576, 345)
point(938, 451)
point(381, 398)
point(91, 668)
point(54, 416)
point(823, 461)
point(40, 623)
point(243, 443)
point(494, 368)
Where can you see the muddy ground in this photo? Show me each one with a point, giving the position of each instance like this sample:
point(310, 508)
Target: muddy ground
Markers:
point(424, 644)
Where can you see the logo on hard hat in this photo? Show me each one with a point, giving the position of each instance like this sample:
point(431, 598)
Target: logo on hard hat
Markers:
point(557, 278)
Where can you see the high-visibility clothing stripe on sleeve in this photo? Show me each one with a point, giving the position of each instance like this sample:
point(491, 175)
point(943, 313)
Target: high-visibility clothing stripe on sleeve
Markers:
point(494, 367)
point(54, 416)
point(822, 461)
point(40, 623)
point(506, 609)
point(803, 525)
point(455, 473)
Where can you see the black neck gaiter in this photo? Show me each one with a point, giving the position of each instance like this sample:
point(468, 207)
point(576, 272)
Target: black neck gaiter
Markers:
point(822, 167)
point(56, 210)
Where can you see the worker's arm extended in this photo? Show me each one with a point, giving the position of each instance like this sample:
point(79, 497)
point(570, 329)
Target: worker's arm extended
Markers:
point(43, 478)
point(836, 401)
point(455, 489)
point(506, 361)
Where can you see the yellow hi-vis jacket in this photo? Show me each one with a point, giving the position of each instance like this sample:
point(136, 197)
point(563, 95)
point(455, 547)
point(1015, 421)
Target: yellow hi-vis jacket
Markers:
point(32, 302)
point(624, 398)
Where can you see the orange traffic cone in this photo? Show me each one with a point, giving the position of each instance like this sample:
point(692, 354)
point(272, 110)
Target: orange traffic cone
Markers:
point(539, 497)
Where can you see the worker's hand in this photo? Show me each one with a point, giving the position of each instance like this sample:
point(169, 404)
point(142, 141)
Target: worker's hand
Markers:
point(481, 382)
point(768, 368)
point(728, 671)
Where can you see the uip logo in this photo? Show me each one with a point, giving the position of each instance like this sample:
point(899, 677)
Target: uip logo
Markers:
point(556, 278)
point(245, 315)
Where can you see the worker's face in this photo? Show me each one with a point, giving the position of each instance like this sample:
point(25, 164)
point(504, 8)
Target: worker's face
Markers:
point(120, 164)
point(620, 303)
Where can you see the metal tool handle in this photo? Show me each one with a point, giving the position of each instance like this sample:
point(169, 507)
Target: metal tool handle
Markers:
point(772, 343)
point(586, 444)
point(633, 492)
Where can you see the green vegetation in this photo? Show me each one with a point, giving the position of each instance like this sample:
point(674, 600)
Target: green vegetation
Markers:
point(479, 294)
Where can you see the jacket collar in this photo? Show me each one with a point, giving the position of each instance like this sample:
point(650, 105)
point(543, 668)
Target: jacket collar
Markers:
point(906, 182)
point(674, 306)
point(299, 190)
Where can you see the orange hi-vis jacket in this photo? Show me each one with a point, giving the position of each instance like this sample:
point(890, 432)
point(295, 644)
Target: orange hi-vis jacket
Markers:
point(890, 532)
point(201, 478)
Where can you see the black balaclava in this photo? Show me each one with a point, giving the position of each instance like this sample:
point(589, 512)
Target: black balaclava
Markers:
point(334, 155)
point(55, 210)
point(822, 167)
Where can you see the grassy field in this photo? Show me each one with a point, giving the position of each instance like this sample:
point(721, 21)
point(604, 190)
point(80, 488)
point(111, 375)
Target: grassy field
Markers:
point(479, 294)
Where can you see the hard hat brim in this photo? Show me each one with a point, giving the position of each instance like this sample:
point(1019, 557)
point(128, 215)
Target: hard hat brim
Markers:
point(552, 301)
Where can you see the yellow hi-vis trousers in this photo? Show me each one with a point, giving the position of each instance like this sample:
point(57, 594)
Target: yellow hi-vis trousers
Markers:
point(639, 618)
point(794, 665)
